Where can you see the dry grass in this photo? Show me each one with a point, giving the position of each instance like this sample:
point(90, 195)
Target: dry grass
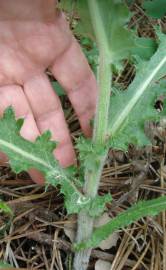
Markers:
point(34, 237)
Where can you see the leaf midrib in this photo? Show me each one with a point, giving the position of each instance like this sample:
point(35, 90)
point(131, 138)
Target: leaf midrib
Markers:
point(136, 96)
point(25, 154)
point(33, 158)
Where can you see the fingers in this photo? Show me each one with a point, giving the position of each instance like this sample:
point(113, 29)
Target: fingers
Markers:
point(27, 10)
point(72, 71)
point(13, 96)
point(49, 115)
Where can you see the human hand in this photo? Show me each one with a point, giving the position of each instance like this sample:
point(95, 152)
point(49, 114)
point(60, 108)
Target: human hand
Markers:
point(28, 47)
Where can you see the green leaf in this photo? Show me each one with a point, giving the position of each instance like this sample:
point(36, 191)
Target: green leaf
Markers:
point(84, 26)
point(144, 48)
point(130, 109)
point(5, 265)
point(97, 206)
point(58, 89)
point(140, 210)
point(5, 208)
point(24, 155)
point(130, 2)
point(155, 8)
point(91, 52)
point(112, 18)
point(89, 153)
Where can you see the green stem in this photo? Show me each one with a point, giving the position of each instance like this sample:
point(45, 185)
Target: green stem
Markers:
point(92, 178)
point(99, 28)
point(101, 118)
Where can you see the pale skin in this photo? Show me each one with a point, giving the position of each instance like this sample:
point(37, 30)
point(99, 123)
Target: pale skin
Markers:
point(35, 37)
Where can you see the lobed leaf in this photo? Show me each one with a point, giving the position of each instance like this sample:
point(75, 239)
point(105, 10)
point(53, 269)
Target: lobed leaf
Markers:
point(130, 109)
point(112, 19)
point(112, 16)
point(24, 155)
point(140, 210)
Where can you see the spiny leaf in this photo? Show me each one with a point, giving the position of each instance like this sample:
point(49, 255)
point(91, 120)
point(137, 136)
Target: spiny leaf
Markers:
point(140, 210)
point(24, 155)
point(112, 18)
point(130, 109)
point(89, 153)
point(97, 206)
point(155, 8)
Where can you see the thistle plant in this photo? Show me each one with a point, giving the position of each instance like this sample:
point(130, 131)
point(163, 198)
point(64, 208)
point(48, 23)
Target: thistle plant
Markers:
point(119, 121)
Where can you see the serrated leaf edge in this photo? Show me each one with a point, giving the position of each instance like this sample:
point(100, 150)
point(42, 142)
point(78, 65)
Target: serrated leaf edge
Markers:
point(136, 96)
point(124, 219)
